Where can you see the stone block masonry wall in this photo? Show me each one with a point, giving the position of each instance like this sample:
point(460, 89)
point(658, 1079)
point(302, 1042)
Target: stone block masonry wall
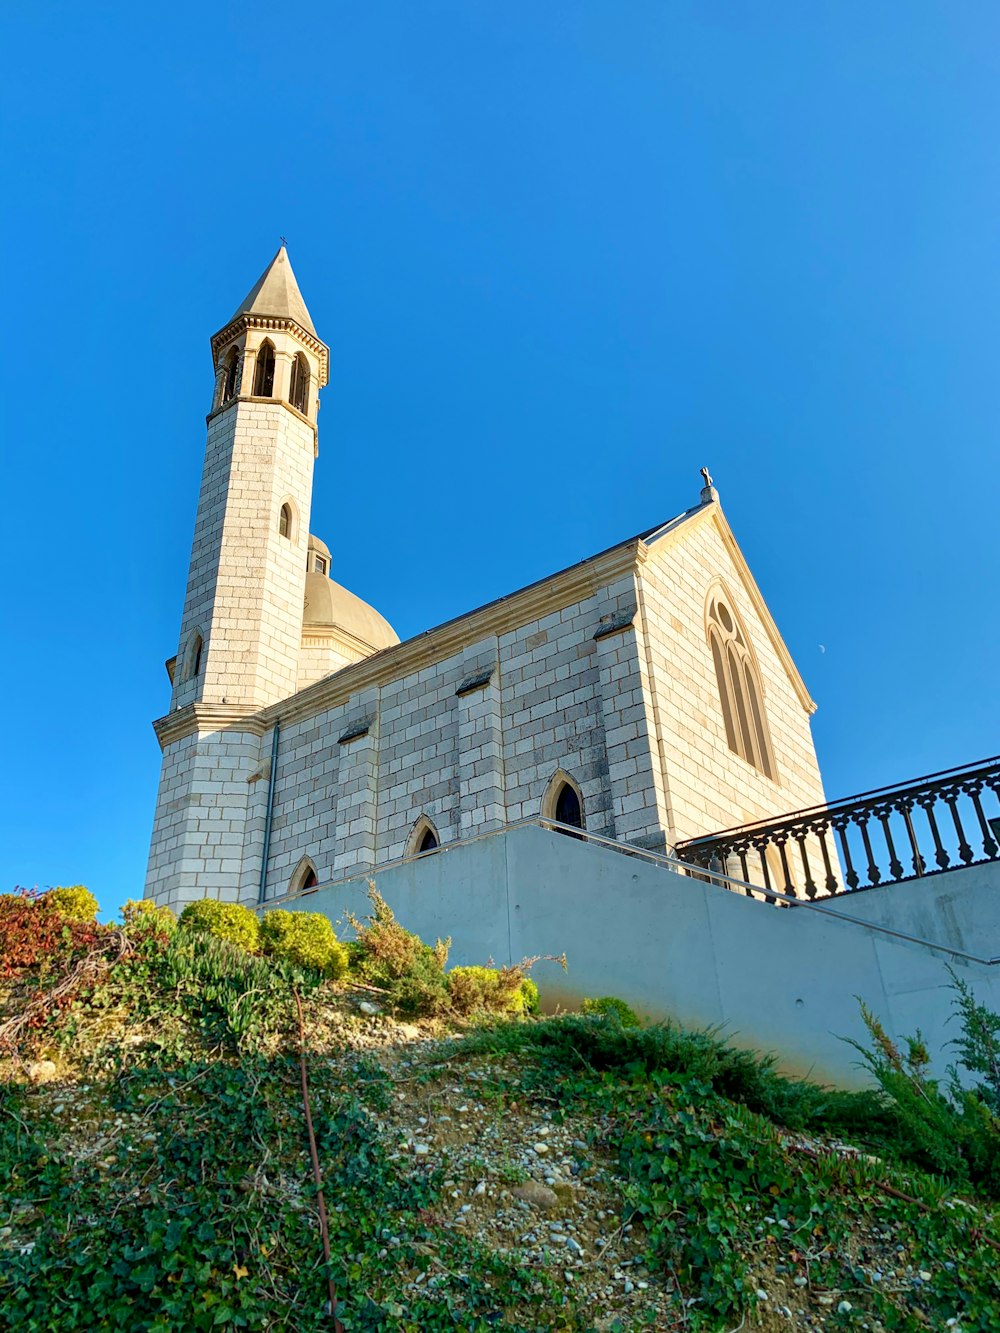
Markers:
point(246, 582)
point(635, 776)
point(710, 787)
point(469, 761)
point(200, 825)
point(481, 776)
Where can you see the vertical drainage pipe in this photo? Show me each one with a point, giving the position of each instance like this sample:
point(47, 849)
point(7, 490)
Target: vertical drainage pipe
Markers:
point(270, 811)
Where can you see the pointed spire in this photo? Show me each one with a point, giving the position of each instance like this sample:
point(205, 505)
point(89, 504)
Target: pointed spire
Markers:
point(277, 293)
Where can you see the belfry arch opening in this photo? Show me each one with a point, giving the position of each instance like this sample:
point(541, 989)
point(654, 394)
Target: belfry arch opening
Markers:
point(231, 383)
point(298, 390)
point(563, 802)
point(263, 376)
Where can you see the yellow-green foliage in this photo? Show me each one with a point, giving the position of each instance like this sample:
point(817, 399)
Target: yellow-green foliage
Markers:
point(75, 902)
point(394, 959)
point(142, 914)
point(226, 921)
point(504, 990)
point(609, 1006)
point(305, 938)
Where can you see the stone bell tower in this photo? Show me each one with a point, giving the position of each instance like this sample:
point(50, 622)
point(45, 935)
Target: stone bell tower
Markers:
point(241, 628)
point(241, 631)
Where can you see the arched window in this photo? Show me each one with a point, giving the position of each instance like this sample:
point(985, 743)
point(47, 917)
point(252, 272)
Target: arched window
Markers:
point(232, 383)
point(423, 838)
point(304, 877)
point(739, 685)
point(563, 802)
point(285, 521)
point(193, 656)
point(298, 393)
point(263, 379)
point(568, 807)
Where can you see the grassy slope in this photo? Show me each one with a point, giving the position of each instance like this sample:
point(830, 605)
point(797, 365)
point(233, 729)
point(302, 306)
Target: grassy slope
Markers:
point(161, 1179)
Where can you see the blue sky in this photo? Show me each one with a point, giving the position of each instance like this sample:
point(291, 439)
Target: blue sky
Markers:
point(564, 254)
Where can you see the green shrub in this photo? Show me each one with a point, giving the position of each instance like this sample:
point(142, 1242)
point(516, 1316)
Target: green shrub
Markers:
point(609, 1006)
point(142, 914)
point(234, 997)
point(75, 903)
point(398, 962)
point(530, 993)
point(491, 990)
point(225, 921)
point(952, 1130)
point(305, 939)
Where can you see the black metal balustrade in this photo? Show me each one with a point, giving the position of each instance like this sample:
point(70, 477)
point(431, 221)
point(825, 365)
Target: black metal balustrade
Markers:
point(885, 836)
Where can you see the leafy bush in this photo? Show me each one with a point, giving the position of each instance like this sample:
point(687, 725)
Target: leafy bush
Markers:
point(142, 914)
point(609, 1006)
point(305, 939)
point(398, 962)
point(504, 990)
point(225, 921)
point(952, 1130)
point(34, 934)
point(233, 997)
point(75, 903)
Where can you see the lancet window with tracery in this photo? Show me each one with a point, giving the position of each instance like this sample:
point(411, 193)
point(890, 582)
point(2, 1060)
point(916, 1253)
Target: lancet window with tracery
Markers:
point(739, 686)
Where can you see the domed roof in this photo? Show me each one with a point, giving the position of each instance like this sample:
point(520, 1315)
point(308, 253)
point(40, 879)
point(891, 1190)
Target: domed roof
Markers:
point(329, 604)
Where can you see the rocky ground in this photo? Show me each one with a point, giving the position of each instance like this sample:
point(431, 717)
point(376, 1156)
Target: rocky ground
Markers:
point(520, 1174)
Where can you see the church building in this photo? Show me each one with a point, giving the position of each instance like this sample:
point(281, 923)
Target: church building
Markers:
point(643, 694)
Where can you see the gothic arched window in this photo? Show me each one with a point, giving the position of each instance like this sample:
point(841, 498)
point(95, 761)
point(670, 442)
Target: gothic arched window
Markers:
point(263, 379)
point(285, 521)
point(739, 685)
point(568, 807)
point(304, 877)
point(298, 393)
point(563, 802)
point(232, 382)
point(423, 838)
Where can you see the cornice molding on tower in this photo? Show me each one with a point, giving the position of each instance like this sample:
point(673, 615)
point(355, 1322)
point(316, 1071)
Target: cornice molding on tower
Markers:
point(268, 402)
point(207, 717)
point(444, 641)
point(277, 323)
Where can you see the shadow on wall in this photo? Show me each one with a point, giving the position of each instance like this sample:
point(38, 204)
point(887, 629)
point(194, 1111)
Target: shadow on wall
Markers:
point(784, 981)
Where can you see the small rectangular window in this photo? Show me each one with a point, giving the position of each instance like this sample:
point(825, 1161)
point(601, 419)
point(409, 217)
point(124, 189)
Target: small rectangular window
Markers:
point(320, 565)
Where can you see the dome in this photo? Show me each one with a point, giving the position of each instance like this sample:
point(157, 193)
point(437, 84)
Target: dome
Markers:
point(329, 604)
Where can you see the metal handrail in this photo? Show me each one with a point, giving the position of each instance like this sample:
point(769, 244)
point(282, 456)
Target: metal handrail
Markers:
point(689, 870)
point(895, 789)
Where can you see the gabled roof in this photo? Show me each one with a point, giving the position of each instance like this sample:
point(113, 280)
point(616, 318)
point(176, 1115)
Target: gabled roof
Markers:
point(711, 511)
point(277, 293)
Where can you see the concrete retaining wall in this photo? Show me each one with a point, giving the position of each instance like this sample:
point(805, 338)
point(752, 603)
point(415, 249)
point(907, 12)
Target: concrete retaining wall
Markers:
point(774, 979)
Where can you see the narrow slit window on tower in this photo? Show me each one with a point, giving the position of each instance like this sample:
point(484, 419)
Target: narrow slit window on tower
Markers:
point(740, 693)
point(298, 393)
point(285, 521)
point(263, 380)
point(192, 657)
